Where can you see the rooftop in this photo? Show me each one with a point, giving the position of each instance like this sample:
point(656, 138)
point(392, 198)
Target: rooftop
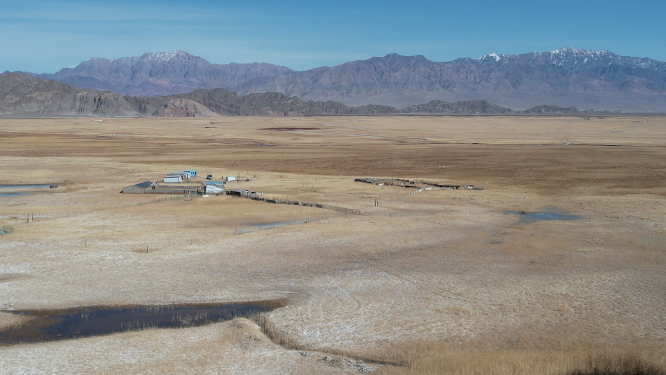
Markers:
point(145, 185)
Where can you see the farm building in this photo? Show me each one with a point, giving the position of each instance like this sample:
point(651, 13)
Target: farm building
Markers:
point(173, 178)
point(192, 173)
point(244, 193)
point(214, 187)
point(153, 188)
point(139, 188)
point(239, 193)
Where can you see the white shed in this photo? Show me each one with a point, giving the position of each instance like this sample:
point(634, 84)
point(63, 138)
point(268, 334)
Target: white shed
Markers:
point(231, 178)
point(173, 178)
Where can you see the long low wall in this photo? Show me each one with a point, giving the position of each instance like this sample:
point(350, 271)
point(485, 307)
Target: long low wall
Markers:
point(405, 183)
point(172, 191)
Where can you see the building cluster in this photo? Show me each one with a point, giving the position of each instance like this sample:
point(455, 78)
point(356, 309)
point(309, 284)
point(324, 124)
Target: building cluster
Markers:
point(180, 183)
point(178, 177)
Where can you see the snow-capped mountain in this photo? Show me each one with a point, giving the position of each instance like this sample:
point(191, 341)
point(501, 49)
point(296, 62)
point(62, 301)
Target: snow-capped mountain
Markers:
point(160, 74)
point(574, 56)
point(564, 77)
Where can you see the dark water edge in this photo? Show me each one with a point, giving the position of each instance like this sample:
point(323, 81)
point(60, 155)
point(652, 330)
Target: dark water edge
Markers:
point(546, 214)
point(53, 325)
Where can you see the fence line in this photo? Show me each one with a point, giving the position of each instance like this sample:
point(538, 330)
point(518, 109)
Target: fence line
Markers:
point(167, 198)
point(346, 211)
point(384, 213)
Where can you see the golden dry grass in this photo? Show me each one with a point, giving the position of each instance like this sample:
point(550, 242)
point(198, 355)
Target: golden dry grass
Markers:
point(593, 359)
point(420, 280)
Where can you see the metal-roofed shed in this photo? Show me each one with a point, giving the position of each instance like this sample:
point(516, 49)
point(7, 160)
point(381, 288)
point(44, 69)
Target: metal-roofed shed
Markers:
point(139, 188)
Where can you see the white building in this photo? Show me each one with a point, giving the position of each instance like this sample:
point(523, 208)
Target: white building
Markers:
point(177, 178)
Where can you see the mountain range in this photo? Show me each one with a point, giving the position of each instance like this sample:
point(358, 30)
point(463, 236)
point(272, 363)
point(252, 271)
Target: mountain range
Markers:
point(25, 96)
point(154, 74)
point(564, 77)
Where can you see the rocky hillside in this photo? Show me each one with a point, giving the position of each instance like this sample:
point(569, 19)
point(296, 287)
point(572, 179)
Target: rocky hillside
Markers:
point(565, 77)
point(461, 107)
point(22, 95)
point(274, 104)
point(160, 74)
point(159, 106)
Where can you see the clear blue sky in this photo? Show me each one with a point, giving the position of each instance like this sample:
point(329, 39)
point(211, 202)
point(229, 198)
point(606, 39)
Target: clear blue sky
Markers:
point(44, 36)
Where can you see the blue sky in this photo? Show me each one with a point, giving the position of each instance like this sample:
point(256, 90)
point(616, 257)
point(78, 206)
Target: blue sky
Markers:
point(44, 36)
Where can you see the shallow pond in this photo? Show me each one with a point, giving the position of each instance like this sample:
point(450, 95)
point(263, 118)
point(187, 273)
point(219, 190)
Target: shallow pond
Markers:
point(546, 214)
point(263, 226)
point(51, 325)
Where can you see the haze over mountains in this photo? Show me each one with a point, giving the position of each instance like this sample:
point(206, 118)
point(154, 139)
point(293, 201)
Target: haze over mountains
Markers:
point(25, 96)
point(565, 77)
point(22, 95)
point(154, 74)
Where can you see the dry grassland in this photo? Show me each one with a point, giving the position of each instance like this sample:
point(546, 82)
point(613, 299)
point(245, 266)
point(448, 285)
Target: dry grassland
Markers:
point(442, 281)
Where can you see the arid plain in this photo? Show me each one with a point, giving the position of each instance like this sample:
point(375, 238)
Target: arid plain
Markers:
point(441, 281)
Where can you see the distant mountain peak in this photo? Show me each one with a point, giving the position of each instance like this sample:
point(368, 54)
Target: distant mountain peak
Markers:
point(160, 73)
point(394, 58)
point(150, 56)
point(92, 59)
point(582, 52)
point(558, 53)
point(397, 55)
point(572, 50)
point(164, 56)
point(493, 55)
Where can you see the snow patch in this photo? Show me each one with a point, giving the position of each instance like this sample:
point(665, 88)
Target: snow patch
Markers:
point(493, 55)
